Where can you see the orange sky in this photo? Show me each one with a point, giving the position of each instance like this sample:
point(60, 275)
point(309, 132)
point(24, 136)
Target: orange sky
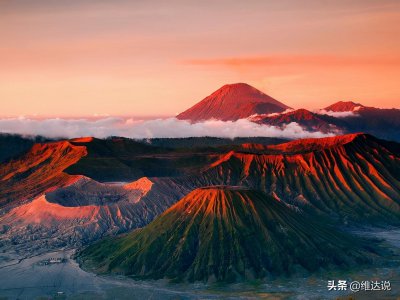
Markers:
point(68, 58)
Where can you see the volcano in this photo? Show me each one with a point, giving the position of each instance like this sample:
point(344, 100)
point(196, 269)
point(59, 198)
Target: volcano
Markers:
point(232, 102)
point(74, 192)
point(222, 233)
point(352, 178)
point(38, 170)
point(343, 106)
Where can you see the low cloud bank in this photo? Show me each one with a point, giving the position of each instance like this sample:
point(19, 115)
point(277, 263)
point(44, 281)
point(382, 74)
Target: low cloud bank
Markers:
point(338, 114)
point(143, 129)
point(256, 117)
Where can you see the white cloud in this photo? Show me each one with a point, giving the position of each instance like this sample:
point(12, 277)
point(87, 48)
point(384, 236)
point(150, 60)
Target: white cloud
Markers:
point(135, 128)
point(339, 114)
point(257, 117)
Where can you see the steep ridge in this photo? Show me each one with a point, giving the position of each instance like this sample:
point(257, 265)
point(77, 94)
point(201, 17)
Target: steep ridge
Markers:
point(38, 171)
point(312, 144)
point(233, 102)
point(308, 120)
point(48, 166)
point(300, 146)
point(85, 211)
point(353, 177)
point(226, 234)
point(143, 185)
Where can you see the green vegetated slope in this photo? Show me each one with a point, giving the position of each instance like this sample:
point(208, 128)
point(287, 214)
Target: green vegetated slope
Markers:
point(120, 159)
point(226, 234)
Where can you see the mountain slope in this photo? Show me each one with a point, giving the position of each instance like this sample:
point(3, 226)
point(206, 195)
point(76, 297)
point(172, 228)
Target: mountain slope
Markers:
point(84, 211)
point(353, 117)
point(383, 123)
point(353, 177)
point(37, 171)
point(232, 102)
point(306, 119)
point(48, 166)
point(343, 106)
point(225, 234)
point(122, 159)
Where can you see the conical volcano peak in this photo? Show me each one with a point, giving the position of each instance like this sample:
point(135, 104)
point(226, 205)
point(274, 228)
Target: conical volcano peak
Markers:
point(229, 234)
point(238, 85)
point(232, 102)
point(238, 88)
point(216, 200)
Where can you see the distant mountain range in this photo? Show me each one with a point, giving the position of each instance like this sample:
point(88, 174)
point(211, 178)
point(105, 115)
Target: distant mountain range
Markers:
point(241, 101)
point(209, 209)
point(73, 192)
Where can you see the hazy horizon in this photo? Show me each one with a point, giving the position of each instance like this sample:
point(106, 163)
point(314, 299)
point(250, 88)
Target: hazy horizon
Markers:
point(154, 115)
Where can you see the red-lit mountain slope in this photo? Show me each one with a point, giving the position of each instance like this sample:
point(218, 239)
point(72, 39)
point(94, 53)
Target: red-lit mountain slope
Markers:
point(233, 102)
point(48, 166)
point(39, 170)
point(353, 177)
point(308, 120)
